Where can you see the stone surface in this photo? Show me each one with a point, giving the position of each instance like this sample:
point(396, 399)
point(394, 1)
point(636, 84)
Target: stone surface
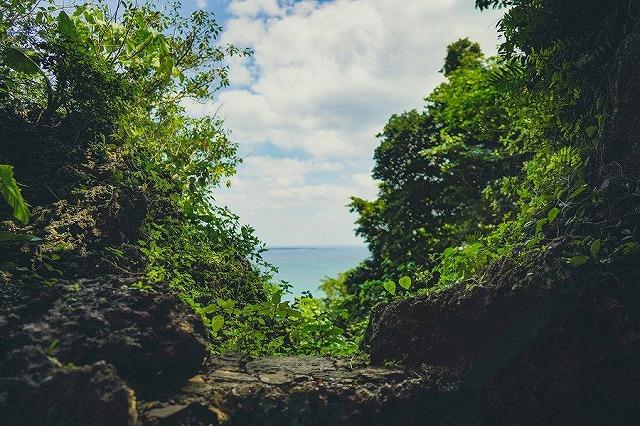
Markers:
point(150, 337)
point(37, 390)
point(74, 353)
point(538, 343)
point(304, 391)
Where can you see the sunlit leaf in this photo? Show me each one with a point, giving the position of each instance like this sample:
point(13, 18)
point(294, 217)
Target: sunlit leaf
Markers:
point(216, 323)
point(390, 286)
point(11, 193)
point(578, 261)
point(405, 282)
point(226, 304)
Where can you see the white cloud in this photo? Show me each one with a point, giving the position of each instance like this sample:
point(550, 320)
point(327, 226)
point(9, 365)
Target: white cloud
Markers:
point(253, 8)
point(201, 4)
point(324, 79)
point(287, 208)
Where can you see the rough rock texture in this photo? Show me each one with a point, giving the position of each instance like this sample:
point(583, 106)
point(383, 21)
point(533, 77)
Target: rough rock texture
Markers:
point(74, 236)
point(147, 336)
point(104, 352)
point(73, 352)
point(539, 344)
point(534, 344)
point(306, 391)
point(36, 389)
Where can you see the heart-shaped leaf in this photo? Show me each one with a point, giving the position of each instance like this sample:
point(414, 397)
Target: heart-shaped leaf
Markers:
point(390, 286)
point(405, 282)
point(216, 323)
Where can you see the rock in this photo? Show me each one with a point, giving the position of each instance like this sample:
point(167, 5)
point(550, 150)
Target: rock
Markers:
point(533, 344)
point(181, 415)
point(151, 338)
point(304, 391)
point(37, 390)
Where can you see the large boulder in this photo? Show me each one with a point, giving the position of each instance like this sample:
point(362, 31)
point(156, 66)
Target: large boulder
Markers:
point(36, 389)
point(150, 336)
point(534, 343)
point(74, 353)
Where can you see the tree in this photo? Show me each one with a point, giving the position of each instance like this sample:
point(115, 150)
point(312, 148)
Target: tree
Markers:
point(433, 167)
point(461, 53)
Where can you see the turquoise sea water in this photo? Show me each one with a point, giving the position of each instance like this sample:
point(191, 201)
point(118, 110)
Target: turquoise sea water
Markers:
point(305, 267)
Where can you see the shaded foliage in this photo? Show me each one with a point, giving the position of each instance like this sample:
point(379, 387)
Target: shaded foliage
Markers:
point(510, 153)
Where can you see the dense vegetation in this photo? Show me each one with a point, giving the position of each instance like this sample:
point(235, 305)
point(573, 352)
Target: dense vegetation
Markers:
point(93, 124)
point(510, 154)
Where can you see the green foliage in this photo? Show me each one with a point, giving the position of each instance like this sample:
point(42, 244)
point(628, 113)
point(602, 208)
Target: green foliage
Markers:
point(11, 193)
point(460, 53)
point(274, 326)
point(508, 155)
point(18, 60)
point(118, 80)
point(390, 286)
point(405, 282)
point(435, 167)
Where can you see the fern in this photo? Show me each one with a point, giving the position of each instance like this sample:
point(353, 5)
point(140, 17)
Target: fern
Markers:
point(11, 192)
point(508, 75)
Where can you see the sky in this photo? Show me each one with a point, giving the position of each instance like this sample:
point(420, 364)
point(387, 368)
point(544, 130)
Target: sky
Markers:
point(323, 81)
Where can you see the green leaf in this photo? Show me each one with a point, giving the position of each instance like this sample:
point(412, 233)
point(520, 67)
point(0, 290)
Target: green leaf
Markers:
point(577, 191)
point(595, 248)
point(276, 297)
point(52, 347)
point(65, 24)
point(591, 131)
point(11, 193)
point(209, 309)
point(216, 323)
point(553, 214)
point(294, 314)
point(390, 286)
point(540, 225)
point(18, 60)
point(226, 304)
point(405, 282)
point(578, 261)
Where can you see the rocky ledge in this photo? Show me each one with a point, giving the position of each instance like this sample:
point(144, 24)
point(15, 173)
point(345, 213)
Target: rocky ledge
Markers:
point(535, 343)
point(105, 352)
point(297, 391)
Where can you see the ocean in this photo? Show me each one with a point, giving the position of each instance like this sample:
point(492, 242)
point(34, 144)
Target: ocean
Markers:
point(305, 267)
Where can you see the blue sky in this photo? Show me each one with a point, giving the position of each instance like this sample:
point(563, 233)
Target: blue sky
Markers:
point(325, 77)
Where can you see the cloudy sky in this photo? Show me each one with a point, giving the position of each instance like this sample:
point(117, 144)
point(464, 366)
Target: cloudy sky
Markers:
point(305, 109)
